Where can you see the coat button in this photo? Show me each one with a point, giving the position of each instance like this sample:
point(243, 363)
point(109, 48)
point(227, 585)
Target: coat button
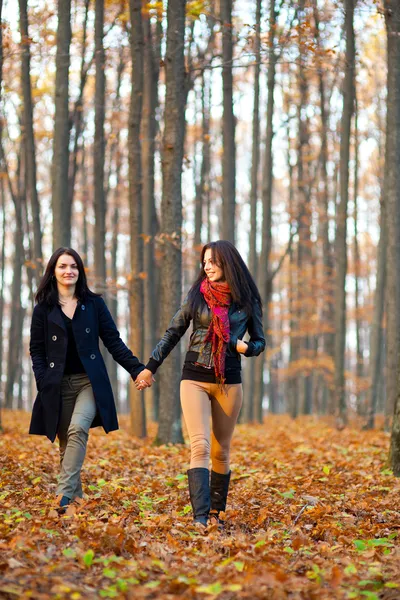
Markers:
point(87, 329)
point(51, 365)
point(54, 338)
point(83, 307)
point(92, 356)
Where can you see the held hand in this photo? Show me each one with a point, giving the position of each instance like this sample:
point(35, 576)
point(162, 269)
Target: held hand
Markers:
point(241, 346)
point(144, 380)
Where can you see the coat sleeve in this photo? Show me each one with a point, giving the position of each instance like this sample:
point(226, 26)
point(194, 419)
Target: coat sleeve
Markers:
point(256, 344)
point(176, 329)
point(37, 344)
point(109, 334)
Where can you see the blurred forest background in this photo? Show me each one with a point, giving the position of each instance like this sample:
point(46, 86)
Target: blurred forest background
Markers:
point(135, 132)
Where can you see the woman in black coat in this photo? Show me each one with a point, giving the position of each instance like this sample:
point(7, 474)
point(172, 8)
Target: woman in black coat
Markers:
point(74, 391)
point(222, 304)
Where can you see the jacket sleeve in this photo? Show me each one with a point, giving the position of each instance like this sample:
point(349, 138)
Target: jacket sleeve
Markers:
point(176, 329)
point(37, 344)
point(256, 344)
point(110, 336)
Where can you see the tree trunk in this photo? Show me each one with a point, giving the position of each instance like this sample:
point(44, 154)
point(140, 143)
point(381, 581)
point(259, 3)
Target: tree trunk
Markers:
point(169, 429)
point(3, 259)
point(60, 200)
point(99, 150)
point(248, 406)
point(267, 178)
point(31, 191)
point(341, 227)
point(392, 194)
point(137, 405)
point(357, 260)
point(228, 126)
point(152, 49)
point(77, 116)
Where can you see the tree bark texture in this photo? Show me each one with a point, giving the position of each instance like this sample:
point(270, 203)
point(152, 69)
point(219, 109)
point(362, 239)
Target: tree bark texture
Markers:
point(137, 405)
point(171, 270)
point(341, 222)
point(31, 191)
point(60, 199)
point(99, 150)
point(228, 126)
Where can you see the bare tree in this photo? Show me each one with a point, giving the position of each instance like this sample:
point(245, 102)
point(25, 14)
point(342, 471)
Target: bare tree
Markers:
point(228, 125)
point(30, 159)
point(172, 155)
point(60, 198)
point(341, 225)
point(138, 414)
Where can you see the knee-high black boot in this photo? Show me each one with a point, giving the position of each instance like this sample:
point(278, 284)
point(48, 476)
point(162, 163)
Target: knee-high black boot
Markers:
point(219, 492)
point(199, 490)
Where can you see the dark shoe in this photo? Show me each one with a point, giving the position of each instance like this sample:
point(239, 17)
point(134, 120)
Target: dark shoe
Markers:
point(199, 490)
point(62, 503)
point(219, 488)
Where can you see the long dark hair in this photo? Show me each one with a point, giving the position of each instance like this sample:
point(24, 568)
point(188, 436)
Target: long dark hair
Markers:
point(47, 291)
point(242, 285)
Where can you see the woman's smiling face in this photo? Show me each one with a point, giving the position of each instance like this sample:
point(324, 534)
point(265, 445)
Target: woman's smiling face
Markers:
point(213, 271)
point(66, 270)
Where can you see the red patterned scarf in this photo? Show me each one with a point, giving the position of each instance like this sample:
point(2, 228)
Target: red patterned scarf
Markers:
point(218, 297)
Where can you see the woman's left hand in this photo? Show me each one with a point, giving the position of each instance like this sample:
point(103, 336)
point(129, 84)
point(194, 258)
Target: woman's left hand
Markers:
point(241, 346)
point(144, 379)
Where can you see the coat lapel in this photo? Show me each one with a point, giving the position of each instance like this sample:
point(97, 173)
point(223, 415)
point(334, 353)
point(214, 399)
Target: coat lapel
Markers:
point(55, 316)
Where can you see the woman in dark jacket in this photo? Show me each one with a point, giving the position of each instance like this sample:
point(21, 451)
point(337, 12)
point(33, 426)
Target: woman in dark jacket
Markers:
point(74, 391)
point(223, 304)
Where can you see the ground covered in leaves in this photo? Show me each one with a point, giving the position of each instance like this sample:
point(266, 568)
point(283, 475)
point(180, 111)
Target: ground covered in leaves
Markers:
point(314, 513)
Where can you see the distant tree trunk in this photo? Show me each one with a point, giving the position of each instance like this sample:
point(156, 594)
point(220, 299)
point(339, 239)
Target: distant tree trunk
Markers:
point(15, 331)
point(228, 126)
point(77, 115)
point(99, 150)
point(137, 405)
point(392, 194)
point(359, 353)
point(248, 406)
point(267, 178)
point(376, 325)
point(328, 305)
point(116, 164)
point(203, 187)
point(31, 191)
point(60, 200)
point(152, 49)
point(341, 227)
point(2, 260)
point(169, 429)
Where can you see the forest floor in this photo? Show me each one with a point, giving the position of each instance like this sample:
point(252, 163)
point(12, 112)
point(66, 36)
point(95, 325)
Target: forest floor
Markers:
point(313, 513)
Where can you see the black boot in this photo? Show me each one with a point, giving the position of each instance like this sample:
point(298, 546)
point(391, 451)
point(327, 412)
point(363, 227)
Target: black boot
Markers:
point(219, 493)
point(199, 490)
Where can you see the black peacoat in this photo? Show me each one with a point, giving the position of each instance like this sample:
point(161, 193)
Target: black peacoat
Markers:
point(48, 347)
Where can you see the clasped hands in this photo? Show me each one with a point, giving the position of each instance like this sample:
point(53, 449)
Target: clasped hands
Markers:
point(144, 380)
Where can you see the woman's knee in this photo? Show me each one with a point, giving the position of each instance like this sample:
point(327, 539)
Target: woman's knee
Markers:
point(220, 456)
point(200, 448)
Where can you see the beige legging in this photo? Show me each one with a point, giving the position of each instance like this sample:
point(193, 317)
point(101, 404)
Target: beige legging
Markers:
point(200, 401)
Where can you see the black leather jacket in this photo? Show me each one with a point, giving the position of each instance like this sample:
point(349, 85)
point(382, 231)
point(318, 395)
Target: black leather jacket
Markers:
point(239, 320)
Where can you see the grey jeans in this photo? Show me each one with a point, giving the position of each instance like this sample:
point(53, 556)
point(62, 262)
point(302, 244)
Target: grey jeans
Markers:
point(77, 413)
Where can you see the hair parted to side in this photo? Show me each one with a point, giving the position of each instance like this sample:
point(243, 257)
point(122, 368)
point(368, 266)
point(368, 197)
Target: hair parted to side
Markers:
point(47, 291)
point(243, 288)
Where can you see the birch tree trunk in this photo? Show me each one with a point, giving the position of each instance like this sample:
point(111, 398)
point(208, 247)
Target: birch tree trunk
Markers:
point(169, 430)
point(341, 227)
point(60, 199)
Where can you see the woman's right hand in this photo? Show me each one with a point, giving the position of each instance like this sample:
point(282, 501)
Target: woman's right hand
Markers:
point(144, 379)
